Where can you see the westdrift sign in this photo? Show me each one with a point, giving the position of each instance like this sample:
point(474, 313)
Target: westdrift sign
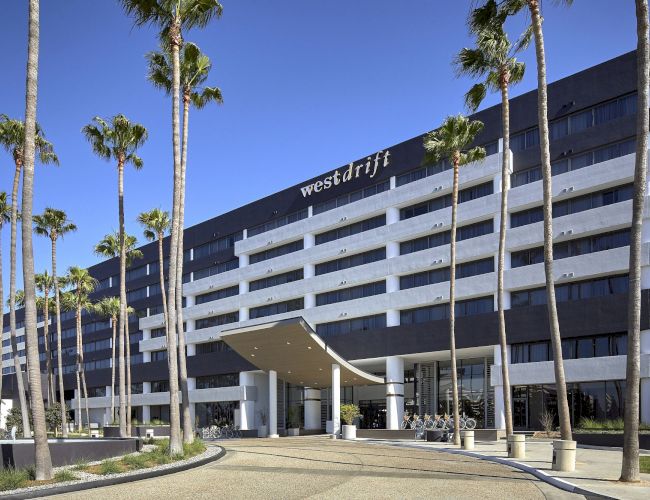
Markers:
point(369, 168)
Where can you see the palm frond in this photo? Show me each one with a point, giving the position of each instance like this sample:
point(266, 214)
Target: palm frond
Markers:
point(474, 96)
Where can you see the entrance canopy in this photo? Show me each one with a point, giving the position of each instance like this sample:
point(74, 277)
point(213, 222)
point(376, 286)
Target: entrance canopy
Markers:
point(295, 352)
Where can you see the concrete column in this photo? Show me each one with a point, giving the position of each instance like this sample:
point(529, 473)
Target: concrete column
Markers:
point(273, 404)
point(392, 215)
point(243, 287)
point(392, 249)
point(243, 260)
point(146, 335)
point(309, 240)
point(392, 283)
point(312, 408)
point(392, 317)
point(394, 392)
point(146, 414)
point(310, 300)
point(243, 313)
point(309, 271)
point(393, 182)
point(499, 404)
point(645, 382)
point(191, 349)
point(336, 399)
point(246, 407)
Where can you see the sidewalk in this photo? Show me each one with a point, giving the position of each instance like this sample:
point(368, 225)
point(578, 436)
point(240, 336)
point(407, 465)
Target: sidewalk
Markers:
point(597, 470)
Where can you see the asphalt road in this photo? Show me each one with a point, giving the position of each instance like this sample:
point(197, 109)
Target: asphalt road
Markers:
point(317, 467)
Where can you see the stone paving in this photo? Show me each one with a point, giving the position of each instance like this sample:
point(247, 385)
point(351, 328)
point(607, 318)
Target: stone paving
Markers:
point(317, 467)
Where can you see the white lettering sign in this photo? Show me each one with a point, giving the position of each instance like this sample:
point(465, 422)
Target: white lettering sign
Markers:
point(369, 168)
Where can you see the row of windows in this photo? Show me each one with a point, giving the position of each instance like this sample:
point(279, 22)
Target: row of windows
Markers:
point(215, 269)
point(216, 346)
point(351, 261)
point(467, 194)
point(19, 339)
point(578, 348)
point(159, 355)
point(346, 326)
point(599, 287)
point(574, 205)
point(278, 222)
point(214, 381)
point(347, 198)
point(158, 332)
point(277, 308)
point(294, 246)
point(352, 293)
point(278, 279)
point(136, 272)
point(220, 319)
point(9, 355)
point(160, 386)
point(350, 229)
point(464, 270)
point(213, 247)
point(575, 162)
point(441, 311)
point(97, 345)
point(217, 294)
point(572, 248)
point(444, 238)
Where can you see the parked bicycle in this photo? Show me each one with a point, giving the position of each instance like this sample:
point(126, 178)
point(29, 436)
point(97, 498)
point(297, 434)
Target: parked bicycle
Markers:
point(223, 432)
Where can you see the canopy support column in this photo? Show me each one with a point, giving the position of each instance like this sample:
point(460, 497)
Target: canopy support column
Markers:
point(336, 400)
point(273, 404)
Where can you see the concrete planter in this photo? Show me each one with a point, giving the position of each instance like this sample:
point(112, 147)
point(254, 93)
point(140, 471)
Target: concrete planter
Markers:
point(564, 455)
point(349, 432)
point(261, 431)
point(468, 439)
point(517, 446)
point(294, 431)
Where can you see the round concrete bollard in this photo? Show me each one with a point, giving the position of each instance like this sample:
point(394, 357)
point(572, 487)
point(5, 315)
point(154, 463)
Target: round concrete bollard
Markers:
point(517, 446)
point(468, 440)
point(564, 455)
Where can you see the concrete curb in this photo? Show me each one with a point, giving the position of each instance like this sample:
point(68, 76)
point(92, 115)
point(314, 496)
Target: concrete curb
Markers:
point(87, 485)
point(541, 475)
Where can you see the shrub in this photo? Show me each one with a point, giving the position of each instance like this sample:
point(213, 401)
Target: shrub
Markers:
point(53, 417)
point(293, 419)
point(10, 479)
point(349, 413)
point(80, 464)
point(547, 421)
point(194, 448)
point(64, 475)
point(141, 461)
point(109, 467)
point(15, 418)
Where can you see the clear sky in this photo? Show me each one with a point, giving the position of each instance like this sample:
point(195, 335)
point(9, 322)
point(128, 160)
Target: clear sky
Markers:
point(308, 86)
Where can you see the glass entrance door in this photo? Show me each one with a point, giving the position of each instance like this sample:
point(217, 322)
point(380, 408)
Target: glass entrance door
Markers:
point(520, 408)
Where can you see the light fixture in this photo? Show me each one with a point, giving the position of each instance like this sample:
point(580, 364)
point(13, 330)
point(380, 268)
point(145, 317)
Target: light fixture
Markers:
point(289, 372)
point(309, 347)
point(252, 355)
point(288, 343)
point(320, 369)
point(255, 348)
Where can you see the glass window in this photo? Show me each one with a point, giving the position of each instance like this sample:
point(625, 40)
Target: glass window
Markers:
point(294, 246)
point(277, 222)
point(585, 348)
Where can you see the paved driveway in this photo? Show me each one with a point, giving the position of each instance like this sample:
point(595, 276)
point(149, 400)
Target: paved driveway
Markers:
point(317, 467)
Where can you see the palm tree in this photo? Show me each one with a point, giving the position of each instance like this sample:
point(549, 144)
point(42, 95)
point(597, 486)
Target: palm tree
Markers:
point(109, 247)
point(83, 284)
point(12, 139)
point(630, 466)
point(42, 458)
point(494, 61)
point(119, 139)
point(44, 283)
point(511, 7)
point(194, 69)
point(109, 307)
point(451, 142)
point(54, 224)
point(5, 216)
point(172, 17)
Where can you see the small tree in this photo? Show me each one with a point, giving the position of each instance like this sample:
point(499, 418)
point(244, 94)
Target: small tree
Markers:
point(15, 418)
point(349, 413)
point(293, 419)
point(53, 417)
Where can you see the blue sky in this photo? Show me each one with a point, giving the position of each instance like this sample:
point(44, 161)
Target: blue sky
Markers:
point(307, 85)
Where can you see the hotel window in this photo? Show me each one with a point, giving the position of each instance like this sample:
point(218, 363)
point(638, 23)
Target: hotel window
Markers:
point(216, 346)
point(136, 272)
point(158, 332)
point(347, 326)
point(572, 248)
point(278, 222)
point(438, 239)
point(154, 267)
point(464, 270)
point(103, 284)
point(598, 287)
point(158, 355)
point(98, 345)
point(136, 337)
point(216, 246)
point(576, 348)
point(463, 308)
point(137, 294)
point(277, 308)
point(214, 381)
point(97, 364)
point(352, 293)
point(422, 172)
point(217, 294)
point(350, 229)
point(271, 253)
point(153, 310)
point(278, 279)
point(221, 319)
point(351, 261)
point(467, 194)
point(136, 388)
point(137, 359)
point(160, 386)
point(96, 392)
point(216, 269)
point(347, 198)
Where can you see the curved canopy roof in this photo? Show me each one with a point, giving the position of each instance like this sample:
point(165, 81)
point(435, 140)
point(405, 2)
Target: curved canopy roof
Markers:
point(295, 352)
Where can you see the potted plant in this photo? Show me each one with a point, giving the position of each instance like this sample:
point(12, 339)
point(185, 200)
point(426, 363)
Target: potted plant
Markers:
point(348, 414)
point(262, 431)
point(293, 422)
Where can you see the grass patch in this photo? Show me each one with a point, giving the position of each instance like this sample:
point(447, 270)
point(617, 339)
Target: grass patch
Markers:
point(110, 467)
point(64, 475)
point(644, 463)
point(10, 479)
point(80, 465)
point(615, 425)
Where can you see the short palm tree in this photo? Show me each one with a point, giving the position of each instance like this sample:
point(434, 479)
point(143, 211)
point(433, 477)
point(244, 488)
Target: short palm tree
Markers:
point(494, 61)
point(12, 139)
point(451, 142)
point(119, 139)
point(44, 284)
point(109, 307)
point(5, 217)
point(54, 224)
point(173, 17)
point(194, 70)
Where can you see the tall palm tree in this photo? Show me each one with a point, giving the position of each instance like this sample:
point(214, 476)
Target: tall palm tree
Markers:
point(5, 216)
point(109, 307)
point(12, 139)
point(119, 139)
point(172, 17)
point(493, 60)
point(511, 7)
point(42, 458)
point(450, 142)
point(630, 465)
point(194, 70)
point(130, 311)
point(45, 283)
point(54, 224)
point(82, 284)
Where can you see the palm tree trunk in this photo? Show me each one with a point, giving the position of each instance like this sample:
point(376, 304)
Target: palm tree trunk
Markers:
point(122, 369)
point(128, 374)
point(163, 292)
point(42, 459)
point(46, 345)
point(505, 186)
point(114, 320)
point(79, 422)
point(59, 357)
point(175, 445)
point(12, 304)
point(2, 316)
point(188, 432)
point(630, 466)
point(452, 303)
point(82, 367)
point(556, 339)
